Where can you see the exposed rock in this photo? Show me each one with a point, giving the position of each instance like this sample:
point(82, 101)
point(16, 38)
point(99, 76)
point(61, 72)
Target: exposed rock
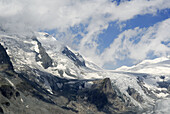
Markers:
point(17, 94)
point(45, 58)
point(46, 35)
point(27, 96)
point(60, 72)
point(145, 89)
point(98, 98)
point(7, 91)
point(105, 97)
point(164, 84)
point(101, 92)
point(132, 92)
point(73, 57)
point(67, 71)
point(169, 88)
point(1, 111)
point(5, 63)
point(30, 93)
point(6, 103)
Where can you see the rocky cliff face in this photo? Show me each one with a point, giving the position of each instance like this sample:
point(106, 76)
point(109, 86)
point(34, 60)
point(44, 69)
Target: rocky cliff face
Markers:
point(46, 76)
point(73, 57)
point(21, 93)
point(107, 98)
point(5, 63)
point(42, 55)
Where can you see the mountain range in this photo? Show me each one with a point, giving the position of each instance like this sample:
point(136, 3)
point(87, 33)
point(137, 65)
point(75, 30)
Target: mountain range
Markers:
point(39, 74)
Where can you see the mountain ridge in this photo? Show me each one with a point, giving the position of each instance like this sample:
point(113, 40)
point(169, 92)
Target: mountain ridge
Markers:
point(32, 84)
point(67, 76)
point(156, 66)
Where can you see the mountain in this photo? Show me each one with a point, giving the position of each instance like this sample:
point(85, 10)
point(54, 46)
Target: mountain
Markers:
point(159, 66)
point(156, 79)
point(42, 75)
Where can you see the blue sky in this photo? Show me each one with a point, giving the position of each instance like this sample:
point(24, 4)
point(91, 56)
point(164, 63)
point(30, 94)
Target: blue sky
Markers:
point(107, 36)
point(109, 33)
point(142, 21)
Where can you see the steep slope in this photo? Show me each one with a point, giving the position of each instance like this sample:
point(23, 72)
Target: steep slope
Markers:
point(62, 77)
point(157, 74)
point(154, 78)
point(34, 88)
point(45, 53)
point(5, 63)
point(20, 94)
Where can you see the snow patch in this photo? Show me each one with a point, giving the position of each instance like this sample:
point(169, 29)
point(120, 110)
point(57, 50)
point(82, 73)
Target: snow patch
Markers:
point(88, 84)
point(22, 100)
point(10, 82)
point(162, 95)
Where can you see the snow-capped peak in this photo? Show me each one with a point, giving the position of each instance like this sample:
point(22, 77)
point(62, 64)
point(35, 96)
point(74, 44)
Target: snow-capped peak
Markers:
point(46, 58)
point(156, 66)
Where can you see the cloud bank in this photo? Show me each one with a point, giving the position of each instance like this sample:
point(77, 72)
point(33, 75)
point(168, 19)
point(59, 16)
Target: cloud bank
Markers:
point(139, 43)
point(57, 14)
point(89, 18)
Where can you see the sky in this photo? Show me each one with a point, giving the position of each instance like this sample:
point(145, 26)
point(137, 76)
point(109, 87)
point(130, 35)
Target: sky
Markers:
point(109, 33)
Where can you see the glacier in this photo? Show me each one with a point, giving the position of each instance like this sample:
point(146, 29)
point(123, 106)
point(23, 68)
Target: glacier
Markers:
point(43, 54)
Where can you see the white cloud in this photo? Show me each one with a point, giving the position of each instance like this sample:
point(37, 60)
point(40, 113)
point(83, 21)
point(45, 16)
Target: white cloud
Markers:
point(57, 14)
point(138, 44)
point(26, 15)
point(109, 13)
point(8, 9)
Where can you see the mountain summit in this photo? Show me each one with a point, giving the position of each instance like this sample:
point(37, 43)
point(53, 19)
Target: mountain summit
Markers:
point(40, 74)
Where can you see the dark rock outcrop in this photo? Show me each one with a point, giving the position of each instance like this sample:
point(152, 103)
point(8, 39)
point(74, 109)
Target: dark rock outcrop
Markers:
point(145, 89)
point(106, 97)
point(6, 104)
point(169, 88)
point(1, 111)
point(45, 58)
point(100, 93)
point(5, 63)
point(132, 92)
point(73, 57)
point(7, 91)
point(164, 84)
